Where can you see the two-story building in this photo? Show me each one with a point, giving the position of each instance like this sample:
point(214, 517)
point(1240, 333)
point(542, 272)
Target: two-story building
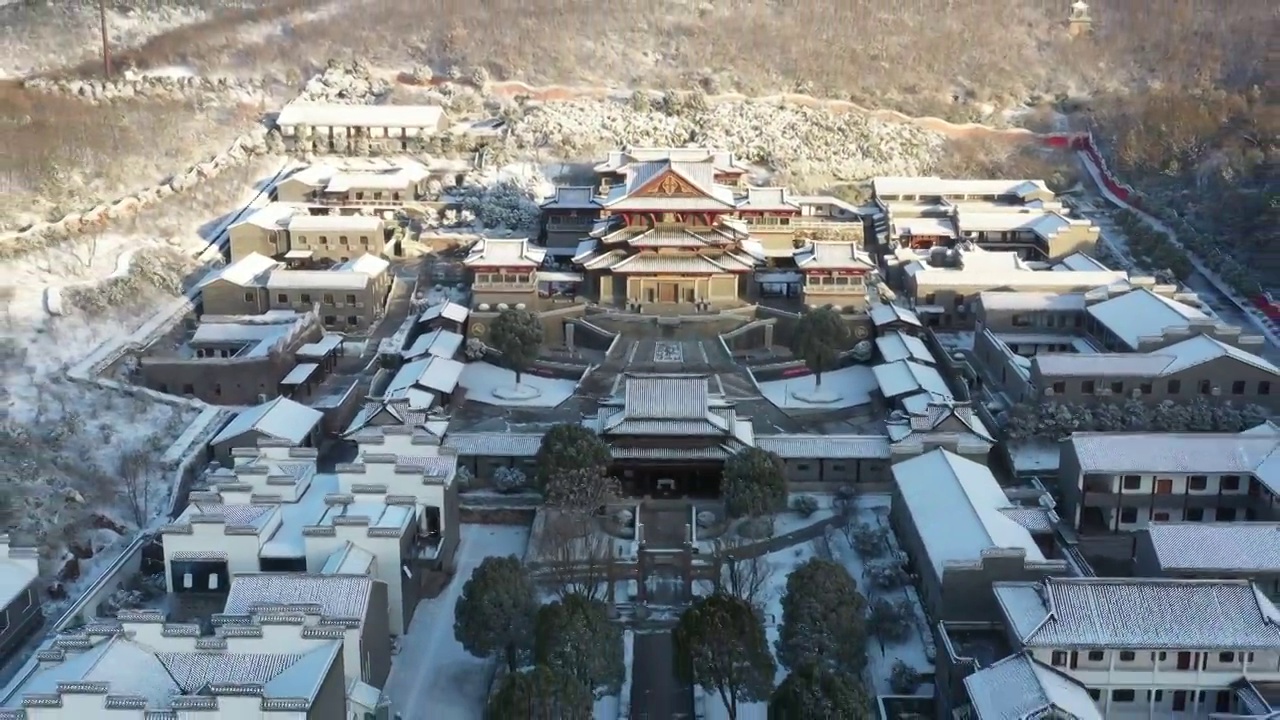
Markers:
point(19, 599)
point(347, 296)
point(504, 271)
point(326, 127)
point(353, 184)
point(834, 273)
point(289, 233)
point(1147, 647)
point(1118, 482)
point(1211, 550)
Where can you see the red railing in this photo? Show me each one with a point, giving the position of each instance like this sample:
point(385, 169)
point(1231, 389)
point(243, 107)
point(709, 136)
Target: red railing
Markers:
point(1084, 142)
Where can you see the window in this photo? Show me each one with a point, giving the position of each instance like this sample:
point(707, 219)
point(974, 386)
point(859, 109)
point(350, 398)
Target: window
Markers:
point(1059, 658)
point(1159, 657)
point(351, 299)
point(803, 467)
point(359, 194)
point(1059, 388)
point(395, 196)
point(1087, 387)
point(1264, 387)
point(353, 320)
point(1175, 387)
point(282, 298)
point(1156, 696)
point(188, 389)
point(1206, 387)
point(342, 239)
point(1237, 387)
point(1160, 516)
point(330, 319)
point(324, 239)
point(248, 297)
point(1132, 482)
point(931, 299)
point(1021, 321)
point(1122, 695)
point(1117, 388)
point(1197, 482)
point(306, 298)
point(1225, 514)
point(1195, 514)
point(553, 220)
point(1129, 515)
point(1126, 656)
point(328, 299)
point(1146, 388)
point(377, 195)
point(1230, 482)
point(1226, 657)
point(837, 467)
point(364, 239)
point(1096, 655)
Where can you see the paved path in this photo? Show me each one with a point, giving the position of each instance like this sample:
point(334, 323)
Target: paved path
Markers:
point(655, 692)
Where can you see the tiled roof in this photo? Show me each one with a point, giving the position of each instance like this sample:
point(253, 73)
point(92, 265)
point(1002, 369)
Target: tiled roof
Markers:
point(1255, 452)
point(887, 313)
point(939, 187)
point(1237, 547)
point(1140, 613)
point(649, 262)
point(1020, 688)
point(825, 447)
point(249, 271)
point(505, 252)
point(767, 198)
point(1100, 365)
point(572, 198)
point(669, 453)
point(832, 255)
point(897, 345)
point(339, 596)
point(1140, 312)
point(1036, 520)
point(494, 444)
point(384, 116)
point(282, 419)
point(666, 397)
point(905, 376)
point(1032, 301)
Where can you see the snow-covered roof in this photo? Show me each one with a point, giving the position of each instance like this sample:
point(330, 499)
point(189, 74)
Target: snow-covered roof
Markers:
point(494, 444)
point(955, 506)
point(570, 197)
point(434, 373)
point(1246, 453)
point(682, 185)
point(320, 348)
point(925, 227)
point(223, 333)
point(1200, 349)
point(440, 343)
point(803, 446)
point(505, 252)
point(335, 278)
point(282, 419)
point(1079, 262)
point(767, 198)
point(1045, 225)
point(653, 262)
point(1140, 313)
point(446, 310)
point(1235, 547)
point(932, 418)
point(398, 178)
point(344, 597)
point(368, 264)
point(248, 271)
point(1139, 613)
point(1022, 688)
point(905, 377)
point(335, 223)
point(948, 188)
point(381, 116)
point(272, 216)
point(1195, 350)
point(992, 270)
point(300, 374)
point(832, 256)
point(897, 345)
point(887, 313)
point(722, 160)
point(1033, 301)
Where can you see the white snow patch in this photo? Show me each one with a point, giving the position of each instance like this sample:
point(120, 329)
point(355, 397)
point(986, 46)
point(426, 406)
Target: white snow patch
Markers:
point(492, 385)
point(1030, 456)
point(432, 670)
point(840, 389)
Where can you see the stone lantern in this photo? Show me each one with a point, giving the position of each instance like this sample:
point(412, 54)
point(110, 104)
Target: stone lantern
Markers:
point(1079, 22)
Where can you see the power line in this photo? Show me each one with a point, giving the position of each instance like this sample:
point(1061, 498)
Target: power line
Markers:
point(106, 47)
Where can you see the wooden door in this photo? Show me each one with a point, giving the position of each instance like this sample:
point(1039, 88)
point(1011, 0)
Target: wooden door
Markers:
point(1184, 661)
point(667, 292)
point(1164, 486)
point(1180, 696)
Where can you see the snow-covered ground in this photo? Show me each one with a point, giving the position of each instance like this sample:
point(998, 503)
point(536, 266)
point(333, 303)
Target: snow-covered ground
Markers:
point(1034, 456)
point(482, 380)
point(432, 670)
point(953, 341)
point(840, 389)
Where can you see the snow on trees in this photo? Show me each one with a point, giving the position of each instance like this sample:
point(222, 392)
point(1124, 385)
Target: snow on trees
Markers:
point(1055, 420)
point(575, 635)
point(509, 479)
point(541, 692)
point(870, 541)
point(495, 613)
point(720, 645)
point(517, 336)
point(903, 679)
point(889, 620)
point(823, 619)
point(819, 338)
point(811, 691)
point(754, 483)
point(571, 467)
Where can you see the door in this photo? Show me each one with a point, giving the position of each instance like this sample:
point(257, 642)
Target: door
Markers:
point(1164, 486)
point(1180, 696)
point(1184, 661)
point(667, 292)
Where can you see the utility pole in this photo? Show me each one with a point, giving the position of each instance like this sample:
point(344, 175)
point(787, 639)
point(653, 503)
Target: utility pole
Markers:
point(106, 48)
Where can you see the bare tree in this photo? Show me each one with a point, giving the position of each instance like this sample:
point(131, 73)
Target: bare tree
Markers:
point(742, 573)
point(90, 244)
point(137, 471)
point(575, 558)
